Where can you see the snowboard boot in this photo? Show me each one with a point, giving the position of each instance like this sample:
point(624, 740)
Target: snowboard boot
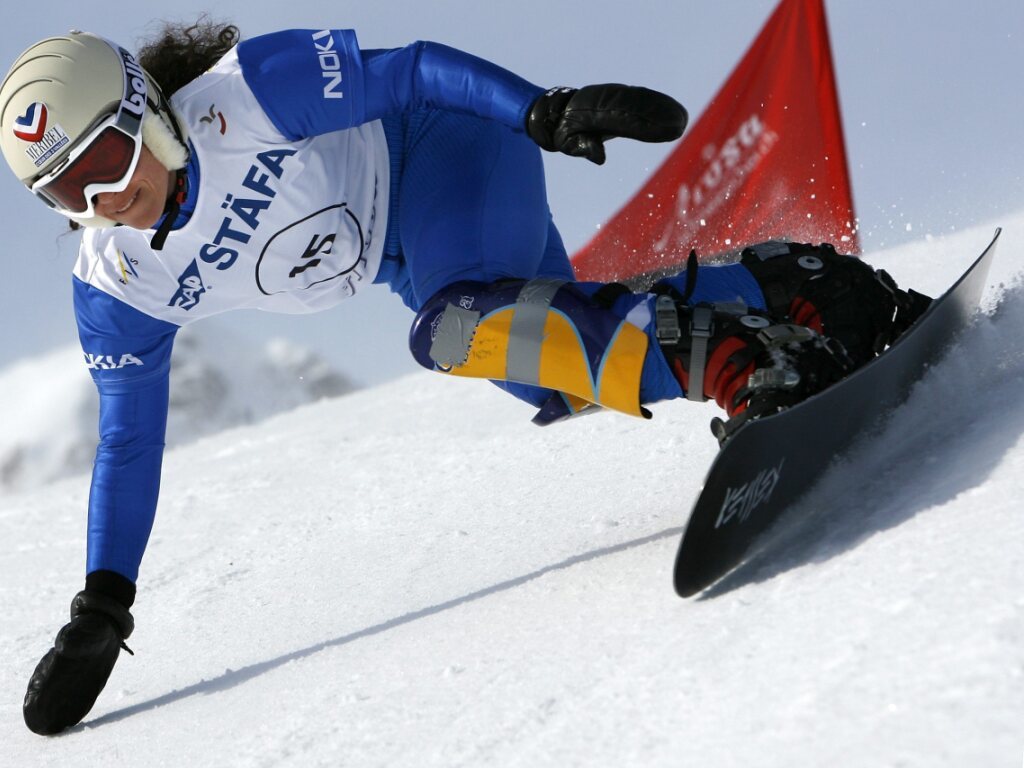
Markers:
point(743, 360)
point(838, 296)
point(70, 677)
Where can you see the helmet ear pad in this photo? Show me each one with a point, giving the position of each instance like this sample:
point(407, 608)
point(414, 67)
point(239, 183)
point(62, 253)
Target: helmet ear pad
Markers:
point(161, 141)
point(169, 144)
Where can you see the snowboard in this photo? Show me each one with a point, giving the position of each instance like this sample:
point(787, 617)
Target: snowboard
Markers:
point(770, 462)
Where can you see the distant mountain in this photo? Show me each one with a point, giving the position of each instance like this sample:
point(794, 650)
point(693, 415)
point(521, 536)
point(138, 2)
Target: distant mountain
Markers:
point(49, 406)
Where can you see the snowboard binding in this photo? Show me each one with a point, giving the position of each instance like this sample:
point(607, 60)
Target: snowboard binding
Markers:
point(838, 296)
point(748, 363)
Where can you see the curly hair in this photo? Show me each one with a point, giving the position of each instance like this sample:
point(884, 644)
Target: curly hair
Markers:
point(181, 51)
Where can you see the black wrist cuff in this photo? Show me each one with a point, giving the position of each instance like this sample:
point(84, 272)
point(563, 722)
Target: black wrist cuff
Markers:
point(96, 602)
point(113, 585)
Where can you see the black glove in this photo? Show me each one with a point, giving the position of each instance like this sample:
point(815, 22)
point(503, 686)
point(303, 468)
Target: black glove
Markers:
point(577, 122)
point(71, 675)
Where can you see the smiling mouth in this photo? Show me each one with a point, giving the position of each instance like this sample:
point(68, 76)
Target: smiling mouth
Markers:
point(127, 205)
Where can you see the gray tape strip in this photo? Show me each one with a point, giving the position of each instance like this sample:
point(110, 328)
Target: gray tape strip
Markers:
point(526, 336)
point(700, 332)
point(454, 334)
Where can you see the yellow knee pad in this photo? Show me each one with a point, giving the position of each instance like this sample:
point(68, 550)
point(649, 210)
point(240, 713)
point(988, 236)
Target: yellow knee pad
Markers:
point(543, 332)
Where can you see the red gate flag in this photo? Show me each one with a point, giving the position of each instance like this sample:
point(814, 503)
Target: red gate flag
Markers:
point(765, 161)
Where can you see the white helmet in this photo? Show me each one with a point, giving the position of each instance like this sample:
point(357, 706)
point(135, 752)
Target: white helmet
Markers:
point(74, 113)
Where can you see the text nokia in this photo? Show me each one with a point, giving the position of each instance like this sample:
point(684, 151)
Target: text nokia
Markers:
point(109, 363)
point(330, 63)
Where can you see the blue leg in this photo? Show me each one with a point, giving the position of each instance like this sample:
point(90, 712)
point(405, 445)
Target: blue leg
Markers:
point(721, 283)
point(473, 206)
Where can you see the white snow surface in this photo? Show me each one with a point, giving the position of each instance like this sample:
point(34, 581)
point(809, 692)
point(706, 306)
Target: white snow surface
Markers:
point(413, 575)
point(49, 406)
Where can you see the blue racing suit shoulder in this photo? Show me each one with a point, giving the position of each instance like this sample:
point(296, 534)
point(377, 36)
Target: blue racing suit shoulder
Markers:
point(311, 82)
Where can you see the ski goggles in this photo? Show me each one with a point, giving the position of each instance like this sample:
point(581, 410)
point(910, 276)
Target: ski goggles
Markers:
point(102, 162)
point(105, 158)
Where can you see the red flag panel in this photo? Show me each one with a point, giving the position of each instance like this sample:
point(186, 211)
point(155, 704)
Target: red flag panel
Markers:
point(766, 160)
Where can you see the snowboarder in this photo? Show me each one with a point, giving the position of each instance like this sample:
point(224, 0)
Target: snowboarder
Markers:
point(289, 171)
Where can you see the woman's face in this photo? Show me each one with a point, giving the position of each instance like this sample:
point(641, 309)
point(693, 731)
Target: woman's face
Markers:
point(142, 202)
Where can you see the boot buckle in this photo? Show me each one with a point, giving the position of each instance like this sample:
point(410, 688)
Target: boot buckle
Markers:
point(666, 321)
point(773, 379)
point(785, 333)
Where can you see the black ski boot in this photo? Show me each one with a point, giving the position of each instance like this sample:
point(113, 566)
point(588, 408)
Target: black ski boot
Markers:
point(70, 677)
point(749, 364)
point(839, 296)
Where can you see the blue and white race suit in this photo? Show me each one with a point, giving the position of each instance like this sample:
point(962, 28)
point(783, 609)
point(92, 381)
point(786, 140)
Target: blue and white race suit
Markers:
point(303, 149)
point(315, 170)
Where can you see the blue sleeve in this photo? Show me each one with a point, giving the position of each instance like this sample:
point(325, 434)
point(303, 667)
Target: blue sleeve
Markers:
point(128, 354)
point(311, 82)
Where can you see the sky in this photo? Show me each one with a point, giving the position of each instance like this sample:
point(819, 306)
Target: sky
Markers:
point(931, 102)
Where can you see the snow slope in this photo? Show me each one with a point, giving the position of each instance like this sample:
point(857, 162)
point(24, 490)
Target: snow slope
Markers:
point(49, 406)
point(414, 575)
